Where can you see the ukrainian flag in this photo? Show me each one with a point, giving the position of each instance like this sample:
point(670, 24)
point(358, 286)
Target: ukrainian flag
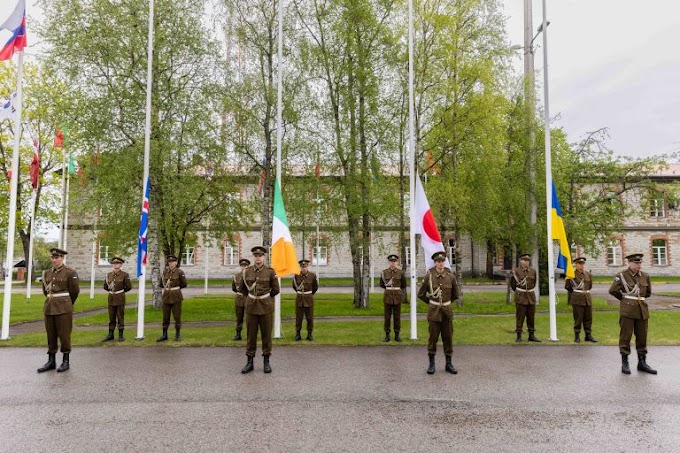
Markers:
point(559, 234)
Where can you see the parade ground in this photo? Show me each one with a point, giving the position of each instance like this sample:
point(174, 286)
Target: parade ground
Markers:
point(527, 398)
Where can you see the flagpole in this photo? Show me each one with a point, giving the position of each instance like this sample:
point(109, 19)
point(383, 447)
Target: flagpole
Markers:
point(11, 224)
point(548, 186)
point(93, 260)
point(64, 169)
point(66, 203)
point(412, 173)
point(279, 140)
point(207, 251)
point(29, 265)
point(145, 177)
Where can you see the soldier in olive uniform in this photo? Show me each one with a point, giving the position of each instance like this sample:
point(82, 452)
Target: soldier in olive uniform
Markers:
point(61, 288)
point(579, 298)
point(393, 281)
point(305, 285)
point(173, 280)
point(438, 290)
point(522, 282)
point(117, 283)
point(240, 302)
point(631, 287)
point(261, 285)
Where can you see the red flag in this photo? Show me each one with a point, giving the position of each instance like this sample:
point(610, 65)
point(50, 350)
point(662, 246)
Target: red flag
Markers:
point(34, 169)
point(15, 24)
point(58, 138)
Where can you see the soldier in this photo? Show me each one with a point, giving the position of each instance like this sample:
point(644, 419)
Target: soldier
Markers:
point(393, 281)
point(305, 285)
point(522, 282)
point(438, 290)
point(240, 302)
point(61, 288)
point(173, 280)
point(117, 283)
point(261, 285)
point(631, 287)
point(579, 298)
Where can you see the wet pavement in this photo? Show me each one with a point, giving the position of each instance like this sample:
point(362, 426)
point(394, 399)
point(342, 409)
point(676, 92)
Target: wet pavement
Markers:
point(329, 399)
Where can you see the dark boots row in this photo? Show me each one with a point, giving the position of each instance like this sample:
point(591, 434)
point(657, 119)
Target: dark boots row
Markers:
point(589, 337)
point(298, 337)
point(164, 336)
point(532, 337)
point(642, 364)
point(449, 366)
point(110, 337)
point(52, 363)
point(396, 337)
point(250, 367)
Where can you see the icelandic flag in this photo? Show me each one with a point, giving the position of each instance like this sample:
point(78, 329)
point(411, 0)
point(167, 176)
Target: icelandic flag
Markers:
point(558, 233)
point(143, 231)
point(13, 32)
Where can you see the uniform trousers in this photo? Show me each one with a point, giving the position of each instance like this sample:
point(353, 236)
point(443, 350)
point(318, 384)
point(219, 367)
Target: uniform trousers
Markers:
point(308, 313)
point(524, 311)
point(263, 323)
point(445, 329)
point(176, 310)
point(393, 311)
point(116, 312)
point(583, 315)
point(240, 312)
point(59, 327)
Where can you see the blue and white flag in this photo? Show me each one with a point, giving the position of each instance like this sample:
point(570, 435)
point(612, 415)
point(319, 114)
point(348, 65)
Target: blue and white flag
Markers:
point(8, 107)
point(143, 231)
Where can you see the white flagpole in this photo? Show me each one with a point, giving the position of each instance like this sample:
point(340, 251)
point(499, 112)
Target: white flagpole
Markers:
point(548, 186)
point(279, 140)
point(207, 253)
point(64, 169)
point(66, 203)
point(92, 263)
point(11, 224)
point(412, 172)
point(29, 264)
point(145, 177)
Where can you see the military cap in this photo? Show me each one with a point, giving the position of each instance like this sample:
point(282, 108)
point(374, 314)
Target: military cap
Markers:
point(393, 258)
point(303, 262)
point(243, 261)
point(579, 259)
point(525, 256)
point(58, 252)
point(439, 256)
point(258, 249)
point(116, 260)
point(171, 258)
point(635, 257)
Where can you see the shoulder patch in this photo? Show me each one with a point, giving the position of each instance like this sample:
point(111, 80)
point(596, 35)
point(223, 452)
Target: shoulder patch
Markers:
point(617, 279)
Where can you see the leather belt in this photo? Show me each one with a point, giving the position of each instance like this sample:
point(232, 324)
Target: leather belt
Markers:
point(524, 290)
point(264, 296)
point(304, 292)
point(443, 304)
point(587, 291)
point(60, 294)
point(174, 288)
point(117, 292)
point(633, 297)
point(239, 294)
point(393, 289)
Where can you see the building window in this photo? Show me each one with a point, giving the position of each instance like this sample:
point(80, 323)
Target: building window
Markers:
point(104, 255)
point(319, 254)
point(188, 257)
point(657, 207)
point(451, 251)
point(659, 255)
point(407, 256)
point(614, 254)
point(231, 254)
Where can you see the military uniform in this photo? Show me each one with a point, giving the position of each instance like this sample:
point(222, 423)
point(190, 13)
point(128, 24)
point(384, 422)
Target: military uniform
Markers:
point(632, 289)
point(173, 280)
point(117, 283)
point(260, 284)
point(579, 298)
point(240, 301)
point(305, 285)
point(522, 282)
point(61, 287)
point(393, 282)
point(439, 290)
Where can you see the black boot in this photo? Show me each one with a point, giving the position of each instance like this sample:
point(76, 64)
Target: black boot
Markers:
point(249, 366)
point(449, 366)
point(64, 364)
point(163, 337)
point(642, 365)
point(109, 337)
point(533, 338)
point(237, 337)
point(298, 337)
point(177, 337)
point(396, 337)
point(387, 337)
point(51, 363)
point(577, 337)
point(625, 368)
point(519, 337)
point(267, 368)
point(120, 335)
point(430, 369)
point(309, 336)
point(590, 338)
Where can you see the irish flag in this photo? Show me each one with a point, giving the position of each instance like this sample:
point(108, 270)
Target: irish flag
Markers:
point(283, 258)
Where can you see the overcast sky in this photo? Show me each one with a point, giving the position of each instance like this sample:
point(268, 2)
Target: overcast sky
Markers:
point(611, 63)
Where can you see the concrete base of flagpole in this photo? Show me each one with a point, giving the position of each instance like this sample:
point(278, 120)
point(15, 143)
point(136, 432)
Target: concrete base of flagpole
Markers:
point(139, 338)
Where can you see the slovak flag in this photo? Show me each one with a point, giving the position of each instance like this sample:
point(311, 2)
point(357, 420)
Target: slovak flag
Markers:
point(426, 226)
point(143, 231)
point(13, 32)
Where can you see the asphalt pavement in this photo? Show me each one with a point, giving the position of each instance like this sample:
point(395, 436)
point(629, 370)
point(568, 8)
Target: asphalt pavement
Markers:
point(526, 398)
